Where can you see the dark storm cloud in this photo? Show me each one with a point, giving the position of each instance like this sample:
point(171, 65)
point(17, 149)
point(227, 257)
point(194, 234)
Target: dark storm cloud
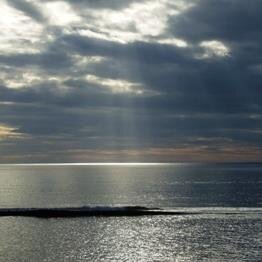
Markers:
point(229, 20)
point(221, 84)
point(51, 59)
point(191, 98)
point(46, 111)
point(141, 52)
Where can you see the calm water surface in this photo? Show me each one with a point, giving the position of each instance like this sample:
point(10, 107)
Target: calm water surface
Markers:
point(204, 237)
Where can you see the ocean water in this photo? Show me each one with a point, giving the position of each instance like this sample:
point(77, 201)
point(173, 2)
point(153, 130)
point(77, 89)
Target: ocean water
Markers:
point(219, 233)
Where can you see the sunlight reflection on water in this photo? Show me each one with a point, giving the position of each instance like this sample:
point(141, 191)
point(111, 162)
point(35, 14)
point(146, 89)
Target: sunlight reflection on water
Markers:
point(190, 238)
point(216, 237)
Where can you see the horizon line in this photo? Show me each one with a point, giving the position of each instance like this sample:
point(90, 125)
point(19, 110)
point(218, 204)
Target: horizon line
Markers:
point(97, 163)
point(125, 163)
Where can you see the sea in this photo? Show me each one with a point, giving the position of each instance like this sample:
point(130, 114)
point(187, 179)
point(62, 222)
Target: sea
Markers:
point(222, 204)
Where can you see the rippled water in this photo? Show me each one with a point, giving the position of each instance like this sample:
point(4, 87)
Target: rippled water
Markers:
point(206, 237)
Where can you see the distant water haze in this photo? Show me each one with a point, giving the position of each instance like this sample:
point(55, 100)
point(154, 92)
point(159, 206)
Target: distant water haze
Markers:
point(143, 184)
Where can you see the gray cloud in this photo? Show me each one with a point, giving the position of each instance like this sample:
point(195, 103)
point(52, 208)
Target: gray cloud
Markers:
point(229, 20)
point(190, 100)
point(28, 9)
point(96, 4)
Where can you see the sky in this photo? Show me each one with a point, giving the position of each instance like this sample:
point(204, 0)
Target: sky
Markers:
point(130, 80)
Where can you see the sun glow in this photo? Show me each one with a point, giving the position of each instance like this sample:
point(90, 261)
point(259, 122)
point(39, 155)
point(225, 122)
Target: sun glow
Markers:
point(214, 48)
point(7, 132)
point(174, 41)
point(60, 13)
point(116, 85)
point(141, 21)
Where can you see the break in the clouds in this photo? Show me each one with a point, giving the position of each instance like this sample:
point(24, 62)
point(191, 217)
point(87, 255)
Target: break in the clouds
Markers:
point(152, 80)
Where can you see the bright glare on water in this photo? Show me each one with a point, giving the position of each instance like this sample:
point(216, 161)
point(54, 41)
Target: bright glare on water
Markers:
point(206, 237)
